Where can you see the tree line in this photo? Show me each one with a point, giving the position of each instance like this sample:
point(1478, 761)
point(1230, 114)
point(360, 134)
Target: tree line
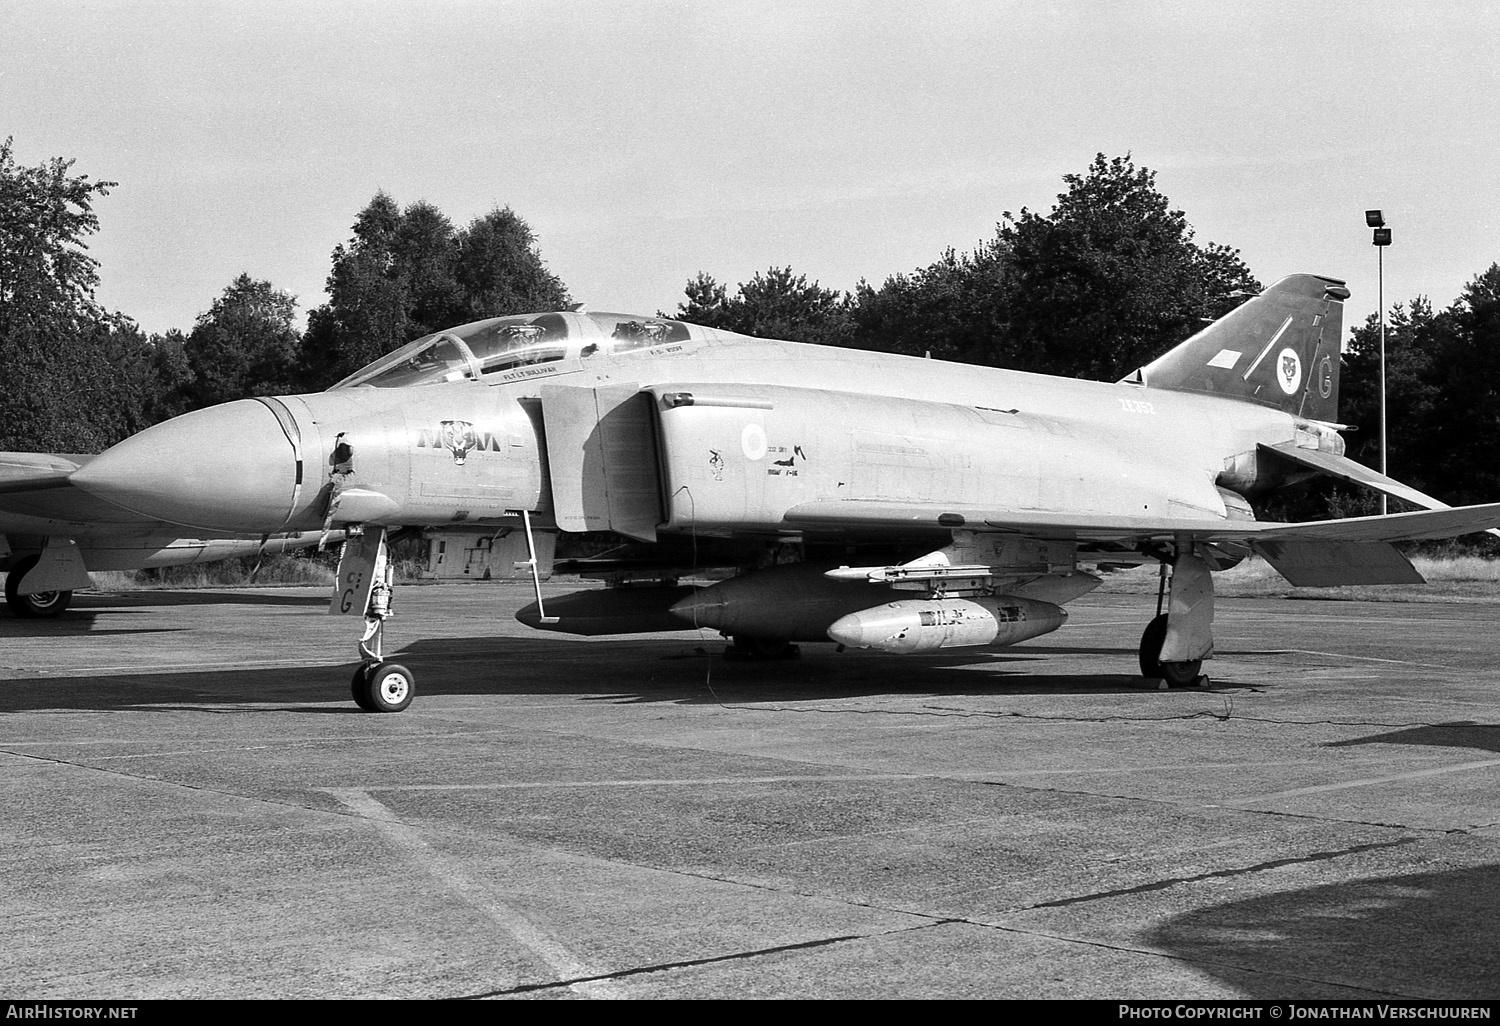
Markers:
point(1108, 279)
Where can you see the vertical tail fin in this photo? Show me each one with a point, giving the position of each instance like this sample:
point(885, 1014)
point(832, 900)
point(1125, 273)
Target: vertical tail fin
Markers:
point(1279, 349)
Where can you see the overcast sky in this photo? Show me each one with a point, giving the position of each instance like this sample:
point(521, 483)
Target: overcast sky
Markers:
point(644, 142)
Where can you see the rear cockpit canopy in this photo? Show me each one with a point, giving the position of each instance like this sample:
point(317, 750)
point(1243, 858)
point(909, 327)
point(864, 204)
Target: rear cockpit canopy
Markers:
point(474, 351)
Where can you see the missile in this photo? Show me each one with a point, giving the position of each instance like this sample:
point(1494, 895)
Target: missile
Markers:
point(924, 625)
point(795, 602)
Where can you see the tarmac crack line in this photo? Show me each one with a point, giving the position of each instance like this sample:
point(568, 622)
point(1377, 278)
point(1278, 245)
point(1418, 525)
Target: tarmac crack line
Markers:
point(690, 963)
point(576, 975)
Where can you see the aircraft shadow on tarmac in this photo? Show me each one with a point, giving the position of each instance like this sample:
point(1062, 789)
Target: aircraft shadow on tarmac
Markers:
point(109, 614)
point(1429, 935)
point(194, 597)
point(77, 625)
point(656, 670)
point(1458, 734)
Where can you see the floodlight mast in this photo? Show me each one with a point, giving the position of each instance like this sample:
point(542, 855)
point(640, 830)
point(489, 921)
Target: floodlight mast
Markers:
point(1382, 238)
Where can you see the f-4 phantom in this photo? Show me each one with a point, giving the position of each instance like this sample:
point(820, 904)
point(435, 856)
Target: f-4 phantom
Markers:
point(865, 499)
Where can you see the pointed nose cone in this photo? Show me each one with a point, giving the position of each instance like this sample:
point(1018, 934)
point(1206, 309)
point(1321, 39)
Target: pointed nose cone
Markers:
point(226, 468)
point(703, 608)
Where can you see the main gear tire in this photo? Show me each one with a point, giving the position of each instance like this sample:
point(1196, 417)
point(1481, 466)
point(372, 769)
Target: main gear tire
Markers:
point(1176, 674)
point(39, 606)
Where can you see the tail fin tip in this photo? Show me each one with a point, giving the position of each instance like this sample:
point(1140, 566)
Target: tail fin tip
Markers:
point(1280, 348)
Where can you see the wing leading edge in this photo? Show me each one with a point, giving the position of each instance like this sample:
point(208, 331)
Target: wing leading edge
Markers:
point(1355, 550)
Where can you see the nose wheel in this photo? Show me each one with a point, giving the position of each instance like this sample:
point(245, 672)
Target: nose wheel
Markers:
point(383, 687)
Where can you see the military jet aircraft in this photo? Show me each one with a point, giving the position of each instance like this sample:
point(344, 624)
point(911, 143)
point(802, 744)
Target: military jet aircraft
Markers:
point(864, 499)
point(52, 535)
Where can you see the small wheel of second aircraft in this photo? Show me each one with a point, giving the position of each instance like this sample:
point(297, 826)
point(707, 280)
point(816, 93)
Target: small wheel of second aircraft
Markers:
point(1177, 675)
point(388, 687)
point(40, 605)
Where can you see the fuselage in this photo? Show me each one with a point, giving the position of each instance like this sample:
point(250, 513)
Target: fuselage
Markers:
point(729, 432)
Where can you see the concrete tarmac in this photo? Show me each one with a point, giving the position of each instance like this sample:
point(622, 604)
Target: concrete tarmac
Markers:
point(194, 807)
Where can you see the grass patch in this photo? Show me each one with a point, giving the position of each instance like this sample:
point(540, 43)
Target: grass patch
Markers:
point(286, 570)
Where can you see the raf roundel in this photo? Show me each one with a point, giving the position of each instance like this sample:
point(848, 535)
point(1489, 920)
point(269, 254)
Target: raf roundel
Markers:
point(1288, 371)
point(753, 441)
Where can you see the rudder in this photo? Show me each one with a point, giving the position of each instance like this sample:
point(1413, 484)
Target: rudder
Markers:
point(1279, 349)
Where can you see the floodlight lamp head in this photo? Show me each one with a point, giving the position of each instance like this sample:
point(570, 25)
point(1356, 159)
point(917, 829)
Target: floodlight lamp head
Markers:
point(1374, 219)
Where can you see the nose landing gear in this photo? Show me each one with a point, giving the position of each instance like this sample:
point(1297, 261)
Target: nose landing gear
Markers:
point(365, 573)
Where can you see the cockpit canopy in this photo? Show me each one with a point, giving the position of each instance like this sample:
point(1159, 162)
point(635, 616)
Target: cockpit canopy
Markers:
point(472, 351)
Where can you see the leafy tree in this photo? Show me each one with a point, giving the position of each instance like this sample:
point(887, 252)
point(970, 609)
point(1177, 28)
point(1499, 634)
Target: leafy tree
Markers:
point(1465, 368)
point(166, 374)
point(500, 270)
point(1442, 399)
point(1107, 281)
point(366, 314)
point(951, 310)
point(426, 254)
point(55, 340)
point(774, 304)
point(707, 303)
point(245, 344)
point(1110, 278)
point(1414, 334)
point(408, 274)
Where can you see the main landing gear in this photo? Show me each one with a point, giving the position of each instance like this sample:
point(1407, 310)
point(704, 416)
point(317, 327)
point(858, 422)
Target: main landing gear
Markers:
point(39, 605)
point(1183, 633)
point(1176, 674)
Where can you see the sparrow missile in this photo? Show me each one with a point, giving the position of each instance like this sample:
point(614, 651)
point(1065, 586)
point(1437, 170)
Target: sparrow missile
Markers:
point(924, 625)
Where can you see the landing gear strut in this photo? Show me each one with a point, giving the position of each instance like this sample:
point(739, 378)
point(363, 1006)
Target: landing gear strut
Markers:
point(377, 686)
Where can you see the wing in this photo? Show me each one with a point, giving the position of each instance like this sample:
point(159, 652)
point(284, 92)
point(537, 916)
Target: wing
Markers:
point(30, 471)
point(861, 514)
point(36, 497)
point(1356, 550)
